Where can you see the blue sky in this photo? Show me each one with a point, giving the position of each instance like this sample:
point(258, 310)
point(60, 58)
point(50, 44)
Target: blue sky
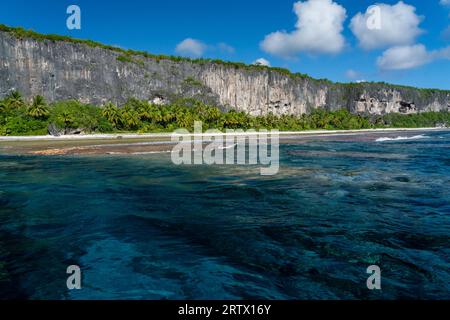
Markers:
point(411, 48)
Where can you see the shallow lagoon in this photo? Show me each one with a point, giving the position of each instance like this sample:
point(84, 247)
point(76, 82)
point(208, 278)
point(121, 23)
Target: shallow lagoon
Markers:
point(140, 227)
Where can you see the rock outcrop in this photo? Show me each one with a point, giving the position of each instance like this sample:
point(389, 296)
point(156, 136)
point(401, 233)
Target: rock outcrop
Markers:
point(61, 70)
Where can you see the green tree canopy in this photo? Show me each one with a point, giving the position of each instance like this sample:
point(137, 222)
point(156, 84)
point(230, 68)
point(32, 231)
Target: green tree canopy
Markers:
point(38, 108)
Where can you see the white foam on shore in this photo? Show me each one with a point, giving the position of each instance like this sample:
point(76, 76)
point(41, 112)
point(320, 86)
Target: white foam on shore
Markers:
point(399, 138)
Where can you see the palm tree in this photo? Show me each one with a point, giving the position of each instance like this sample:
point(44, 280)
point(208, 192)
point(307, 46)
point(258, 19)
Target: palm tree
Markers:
point(3, 106)
point(185, 120)
point(144, 111)
point(200, 110)
point(38, 108)
point(156, 115)
point(212, 114)
point(148, 112)
point(231, 120)
point(130, 117)
point(66, 118)
point(167, 116)
point(112, 114)
point(15, 99)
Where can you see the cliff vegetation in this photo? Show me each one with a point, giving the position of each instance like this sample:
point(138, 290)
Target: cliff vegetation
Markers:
point(37, 117)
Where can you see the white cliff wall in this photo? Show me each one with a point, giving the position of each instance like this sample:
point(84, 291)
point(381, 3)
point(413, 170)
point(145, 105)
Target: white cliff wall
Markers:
point(63, 70)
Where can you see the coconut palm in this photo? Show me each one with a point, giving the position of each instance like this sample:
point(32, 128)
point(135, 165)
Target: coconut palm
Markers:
point(112, 114)
point(212, 114)
point(148, 112)
point(144, 111)
point(15, 99)
point(3, 106)
point(156, 115)
point(66, 118)
point(38, 108)
point(130, 117)
point(167, 116)
point(185, 120)
point(234, 120)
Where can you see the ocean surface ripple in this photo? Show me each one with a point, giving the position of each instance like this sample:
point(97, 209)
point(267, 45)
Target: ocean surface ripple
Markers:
point(140, 227)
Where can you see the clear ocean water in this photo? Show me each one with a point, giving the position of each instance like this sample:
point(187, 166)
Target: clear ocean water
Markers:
point(140, 227)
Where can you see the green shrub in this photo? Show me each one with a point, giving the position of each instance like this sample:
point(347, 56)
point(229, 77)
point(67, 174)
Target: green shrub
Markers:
point(73, 114)
point(20, 125)
point(130, 59)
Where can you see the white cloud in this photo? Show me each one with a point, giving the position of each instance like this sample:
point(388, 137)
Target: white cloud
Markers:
point(195, 48)
point(398, 25)
point(408, 57)
point(441, 54)
point(262, 62)
point(404, 57)
point(191, 47)
point(352, 74)
point(318, 30)
point(225, 48)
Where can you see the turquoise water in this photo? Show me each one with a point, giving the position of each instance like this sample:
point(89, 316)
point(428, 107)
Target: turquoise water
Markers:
point(142, 228)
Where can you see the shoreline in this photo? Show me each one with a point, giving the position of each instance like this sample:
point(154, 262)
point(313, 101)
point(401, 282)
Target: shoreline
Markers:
point(135, 144)
point(118, 136)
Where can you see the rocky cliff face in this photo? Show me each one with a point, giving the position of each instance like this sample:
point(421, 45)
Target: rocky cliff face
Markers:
point(62, 70)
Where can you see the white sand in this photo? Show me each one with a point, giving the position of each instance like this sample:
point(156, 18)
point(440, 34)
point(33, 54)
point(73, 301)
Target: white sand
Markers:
point(167, 136)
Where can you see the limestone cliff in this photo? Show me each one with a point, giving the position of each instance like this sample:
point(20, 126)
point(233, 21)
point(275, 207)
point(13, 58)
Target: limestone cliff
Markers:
point(61, 70)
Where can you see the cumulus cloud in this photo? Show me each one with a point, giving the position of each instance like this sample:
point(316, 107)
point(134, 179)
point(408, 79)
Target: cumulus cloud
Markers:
point(262, 62)
point(441, 54)
point(195, 48)
point(318, 30)
point(408, 57)
point(225, 48)
point(385, 25)
point(404, 57)
point(352, 74)
point(191, 48)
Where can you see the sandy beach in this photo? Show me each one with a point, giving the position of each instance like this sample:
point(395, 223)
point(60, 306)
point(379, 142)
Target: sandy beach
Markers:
point(168, 135)
point(116, 144)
